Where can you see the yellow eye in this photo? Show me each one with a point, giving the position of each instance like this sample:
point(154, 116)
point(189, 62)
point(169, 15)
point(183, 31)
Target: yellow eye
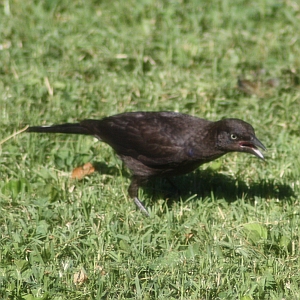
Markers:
point(233, 136)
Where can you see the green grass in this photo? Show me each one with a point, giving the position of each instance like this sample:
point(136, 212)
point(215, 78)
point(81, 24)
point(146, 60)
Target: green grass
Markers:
point(234, 234)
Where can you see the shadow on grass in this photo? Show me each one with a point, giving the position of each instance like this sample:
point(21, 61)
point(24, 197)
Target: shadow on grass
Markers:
point(103, 168)
point(204, 183)
point(207, 183)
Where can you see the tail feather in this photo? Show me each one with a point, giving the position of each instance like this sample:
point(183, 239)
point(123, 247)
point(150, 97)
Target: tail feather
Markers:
point(73, 128)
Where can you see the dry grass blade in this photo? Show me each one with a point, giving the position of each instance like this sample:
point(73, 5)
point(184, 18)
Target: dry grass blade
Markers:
point(13, 135)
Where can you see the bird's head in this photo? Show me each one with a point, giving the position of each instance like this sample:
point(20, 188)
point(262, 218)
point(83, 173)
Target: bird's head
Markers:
point(237, 135)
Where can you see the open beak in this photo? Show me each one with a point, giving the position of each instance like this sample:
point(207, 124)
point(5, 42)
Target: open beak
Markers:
point(252, 147)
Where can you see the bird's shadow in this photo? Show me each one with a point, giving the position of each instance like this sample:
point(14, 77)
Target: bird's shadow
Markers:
point(208, 183)
point(205, 183)
point(103, 168)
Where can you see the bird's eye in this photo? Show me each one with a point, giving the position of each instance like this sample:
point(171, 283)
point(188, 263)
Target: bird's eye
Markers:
point(233, 136)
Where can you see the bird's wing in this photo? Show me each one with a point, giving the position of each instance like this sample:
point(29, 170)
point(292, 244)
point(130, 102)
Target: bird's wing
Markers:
point(152, 138)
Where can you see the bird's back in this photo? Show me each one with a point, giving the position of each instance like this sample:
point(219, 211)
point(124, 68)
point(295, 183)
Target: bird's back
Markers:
point(159, 140)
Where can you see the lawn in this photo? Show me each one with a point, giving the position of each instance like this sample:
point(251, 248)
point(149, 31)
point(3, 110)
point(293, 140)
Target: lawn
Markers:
point(234, 231)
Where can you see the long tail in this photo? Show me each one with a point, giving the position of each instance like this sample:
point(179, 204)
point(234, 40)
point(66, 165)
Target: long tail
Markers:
point(74, 128)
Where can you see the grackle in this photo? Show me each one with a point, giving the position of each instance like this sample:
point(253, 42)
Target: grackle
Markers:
point(153, 144)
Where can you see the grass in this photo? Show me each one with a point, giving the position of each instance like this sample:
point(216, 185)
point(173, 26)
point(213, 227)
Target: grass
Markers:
point(234, 234)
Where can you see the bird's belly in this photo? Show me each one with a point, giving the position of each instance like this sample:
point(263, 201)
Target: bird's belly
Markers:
point(168, 169)
point(180, 169)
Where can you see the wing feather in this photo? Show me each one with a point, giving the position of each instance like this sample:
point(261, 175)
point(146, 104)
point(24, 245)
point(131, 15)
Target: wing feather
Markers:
point(152, 138)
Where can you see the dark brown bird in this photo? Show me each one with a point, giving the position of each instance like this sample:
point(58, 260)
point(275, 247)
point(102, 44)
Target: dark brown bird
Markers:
point(153, 144)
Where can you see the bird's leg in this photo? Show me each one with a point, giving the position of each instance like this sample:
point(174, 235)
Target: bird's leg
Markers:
point(140, 205)
point(133, 189)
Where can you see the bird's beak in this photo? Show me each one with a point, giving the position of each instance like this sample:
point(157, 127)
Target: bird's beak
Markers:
point(252, 147)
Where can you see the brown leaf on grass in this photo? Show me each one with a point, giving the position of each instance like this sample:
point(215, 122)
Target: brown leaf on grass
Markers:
point(273, 82)
point(188, 236)
point(100, 269)
point(80, 172)
point(80, 277)
point(248, 87)
point(259, 88)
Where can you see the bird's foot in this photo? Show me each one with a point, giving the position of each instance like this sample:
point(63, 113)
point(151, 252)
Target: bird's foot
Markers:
point(140, 205)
